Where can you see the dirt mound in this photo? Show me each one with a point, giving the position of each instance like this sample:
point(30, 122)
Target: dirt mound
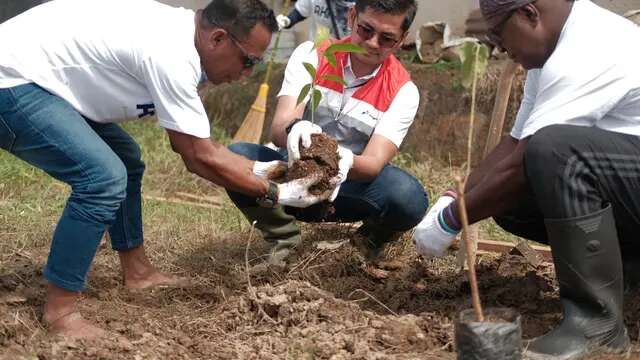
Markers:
point(321, 326)
point(321, 306)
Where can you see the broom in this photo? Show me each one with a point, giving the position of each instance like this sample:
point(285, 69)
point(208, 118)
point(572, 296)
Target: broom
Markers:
point(251, 128)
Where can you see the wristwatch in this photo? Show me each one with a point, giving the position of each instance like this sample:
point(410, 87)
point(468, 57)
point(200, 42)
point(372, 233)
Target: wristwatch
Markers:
point(290, 126)
point(270, 199)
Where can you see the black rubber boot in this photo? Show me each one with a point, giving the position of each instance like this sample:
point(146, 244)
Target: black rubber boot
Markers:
point(371, 238)
point(586, 254)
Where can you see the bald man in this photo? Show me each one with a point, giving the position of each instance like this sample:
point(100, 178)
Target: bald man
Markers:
point(569, 173)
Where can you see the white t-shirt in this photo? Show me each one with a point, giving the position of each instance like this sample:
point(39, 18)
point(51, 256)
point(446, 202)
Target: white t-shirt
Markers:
point(393, 124)
point(319, 12)
point(112, 60)
point(591, 79)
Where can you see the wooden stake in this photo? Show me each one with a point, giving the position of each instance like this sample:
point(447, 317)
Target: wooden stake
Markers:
point(462, 210)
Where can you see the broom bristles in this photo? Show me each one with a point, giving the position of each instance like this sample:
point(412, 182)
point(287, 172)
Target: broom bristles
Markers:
point(251, 128)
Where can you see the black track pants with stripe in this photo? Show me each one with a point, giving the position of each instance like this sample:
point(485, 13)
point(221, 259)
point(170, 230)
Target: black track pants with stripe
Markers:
point(574, 171)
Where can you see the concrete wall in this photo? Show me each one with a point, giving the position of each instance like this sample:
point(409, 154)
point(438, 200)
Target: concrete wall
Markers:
point(455, 12)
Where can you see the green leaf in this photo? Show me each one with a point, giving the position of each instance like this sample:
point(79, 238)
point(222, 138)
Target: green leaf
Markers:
point(303, 94)
point(474, 58)
point(311, 70)
point(335, 78)
point(321, 36)
point(346, 47)
point(316, 97)
point(331, 59)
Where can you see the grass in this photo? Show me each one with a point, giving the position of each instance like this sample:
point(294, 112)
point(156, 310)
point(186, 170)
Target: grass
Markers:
point(31, 201)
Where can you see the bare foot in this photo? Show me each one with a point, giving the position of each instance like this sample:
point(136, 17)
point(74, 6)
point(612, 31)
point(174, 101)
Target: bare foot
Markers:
point(155, 279)
point(139, 273)
point(62, 318)
point(74, 326)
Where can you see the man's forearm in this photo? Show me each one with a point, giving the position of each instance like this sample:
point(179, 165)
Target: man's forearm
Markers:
point(504, 149)
point(229, 175)
point(498, 188)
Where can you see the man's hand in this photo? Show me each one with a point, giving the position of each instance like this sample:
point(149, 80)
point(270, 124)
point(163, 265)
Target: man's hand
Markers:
point(430, 237)
point(296, 192)
point(344, 165)
point(269, 169)
point(301, 131)
point(283, 21)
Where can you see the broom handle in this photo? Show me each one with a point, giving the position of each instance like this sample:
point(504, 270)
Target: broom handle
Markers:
point(267, 76)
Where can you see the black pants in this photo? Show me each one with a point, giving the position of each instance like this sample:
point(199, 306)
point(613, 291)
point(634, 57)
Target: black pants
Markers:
point(574, 171)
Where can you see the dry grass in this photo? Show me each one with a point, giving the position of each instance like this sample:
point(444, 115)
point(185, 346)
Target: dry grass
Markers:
point(331, 308)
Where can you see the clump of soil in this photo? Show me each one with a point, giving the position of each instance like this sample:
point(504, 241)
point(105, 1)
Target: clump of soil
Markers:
point(320, 158)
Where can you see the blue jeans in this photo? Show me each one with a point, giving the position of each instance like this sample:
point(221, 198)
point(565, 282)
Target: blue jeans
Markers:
point(100, 162)
point(395, 199)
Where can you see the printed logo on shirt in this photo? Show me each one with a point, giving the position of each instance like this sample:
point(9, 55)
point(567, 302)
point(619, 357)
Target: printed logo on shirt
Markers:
point(146, 110)
point(368, 113)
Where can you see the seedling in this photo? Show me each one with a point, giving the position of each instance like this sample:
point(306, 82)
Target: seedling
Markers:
point(329, 54)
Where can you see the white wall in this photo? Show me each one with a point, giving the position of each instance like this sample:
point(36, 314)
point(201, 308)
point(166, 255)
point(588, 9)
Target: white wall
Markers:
point(455, 12)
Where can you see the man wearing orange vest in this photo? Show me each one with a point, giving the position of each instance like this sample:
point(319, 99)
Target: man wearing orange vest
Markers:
point(369, 117)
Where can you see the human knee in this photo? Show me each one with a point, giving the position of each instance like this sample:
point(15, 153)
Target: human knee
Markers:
point(406, 197)
point(247, 150)
point(541, 155)
point(105, 192)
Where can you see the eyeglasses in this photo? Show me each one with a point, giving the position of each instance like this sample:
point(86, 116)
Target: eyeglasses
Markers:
point(366, 32)
point(249, 60)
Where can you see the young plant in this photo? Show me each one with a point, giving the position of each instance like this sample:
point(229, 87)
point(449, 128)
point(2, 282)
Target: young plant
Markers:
point(330, 55)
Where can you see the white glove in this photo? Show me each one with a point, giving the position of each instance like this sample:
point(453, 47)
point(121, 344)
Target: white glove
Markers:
point(301, 130)
point(430, 238)
point(269, 169)
point(296, 192)
point(344, 165)
point(283, 22)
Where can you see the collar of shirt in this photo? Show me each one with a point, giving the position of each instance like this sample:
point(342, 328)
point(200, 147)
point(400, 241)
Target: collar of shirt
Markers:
point(350, 78)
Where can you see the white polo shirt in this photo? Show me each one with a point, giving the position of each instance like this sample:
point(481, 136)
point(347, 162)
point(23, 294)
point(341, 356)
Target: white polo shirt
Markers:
point(591, 79)
point(392, 124)
point(112, 60)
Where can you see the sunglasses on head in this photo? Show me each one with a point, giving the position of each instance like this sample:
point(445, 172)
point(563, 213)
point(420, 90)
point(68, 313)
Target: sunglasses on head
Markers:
point(366, 32)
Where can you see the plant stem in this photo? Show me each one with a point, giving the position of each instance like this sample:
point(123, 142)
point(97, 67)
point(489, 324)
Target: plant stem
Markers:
point(462, 210)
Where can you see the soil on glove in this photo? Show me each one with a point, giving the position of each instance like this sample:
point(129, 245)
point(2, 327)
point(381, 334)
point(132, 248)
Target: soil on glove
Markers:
point(320, 158)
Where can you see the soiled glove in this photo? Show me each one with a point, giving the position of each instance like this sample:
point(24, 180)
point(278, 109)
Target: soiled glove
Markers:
point(301, 131)
point(344, 165)
point(269, 169)
point(296, 192)
point(283, 21)
point(430, 237)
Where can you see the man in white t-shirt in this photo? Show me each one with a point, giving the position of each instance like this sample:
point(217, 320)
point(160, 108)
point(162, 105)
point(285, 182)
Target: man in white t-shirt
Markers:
point(92, 63)
point(369, 116)
point(331, 14)
point(569, 173)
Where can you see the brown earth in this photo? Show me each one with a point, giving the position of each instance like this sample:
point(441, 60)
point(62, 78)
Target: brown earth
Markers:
point(322, 306)
point(320, 158)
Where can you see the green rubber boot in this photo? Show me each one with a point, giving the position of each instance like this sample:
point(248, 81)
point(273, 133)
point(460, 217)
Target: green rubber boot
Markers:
point(278, 228)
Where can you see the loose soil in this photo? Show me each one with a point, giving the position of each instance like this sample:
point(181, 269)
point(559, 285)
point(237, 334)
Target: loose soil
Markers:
point(322, 306)
point(321, 158)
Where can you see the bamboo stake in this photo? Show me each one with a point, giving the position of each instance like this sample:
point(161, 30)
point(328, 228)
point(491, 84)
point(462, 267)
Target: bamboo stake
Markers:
point(475, 293)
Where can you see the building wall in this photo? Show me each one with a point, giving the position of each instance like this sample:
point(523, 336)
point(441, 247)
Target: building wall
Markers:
point(455, 12)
